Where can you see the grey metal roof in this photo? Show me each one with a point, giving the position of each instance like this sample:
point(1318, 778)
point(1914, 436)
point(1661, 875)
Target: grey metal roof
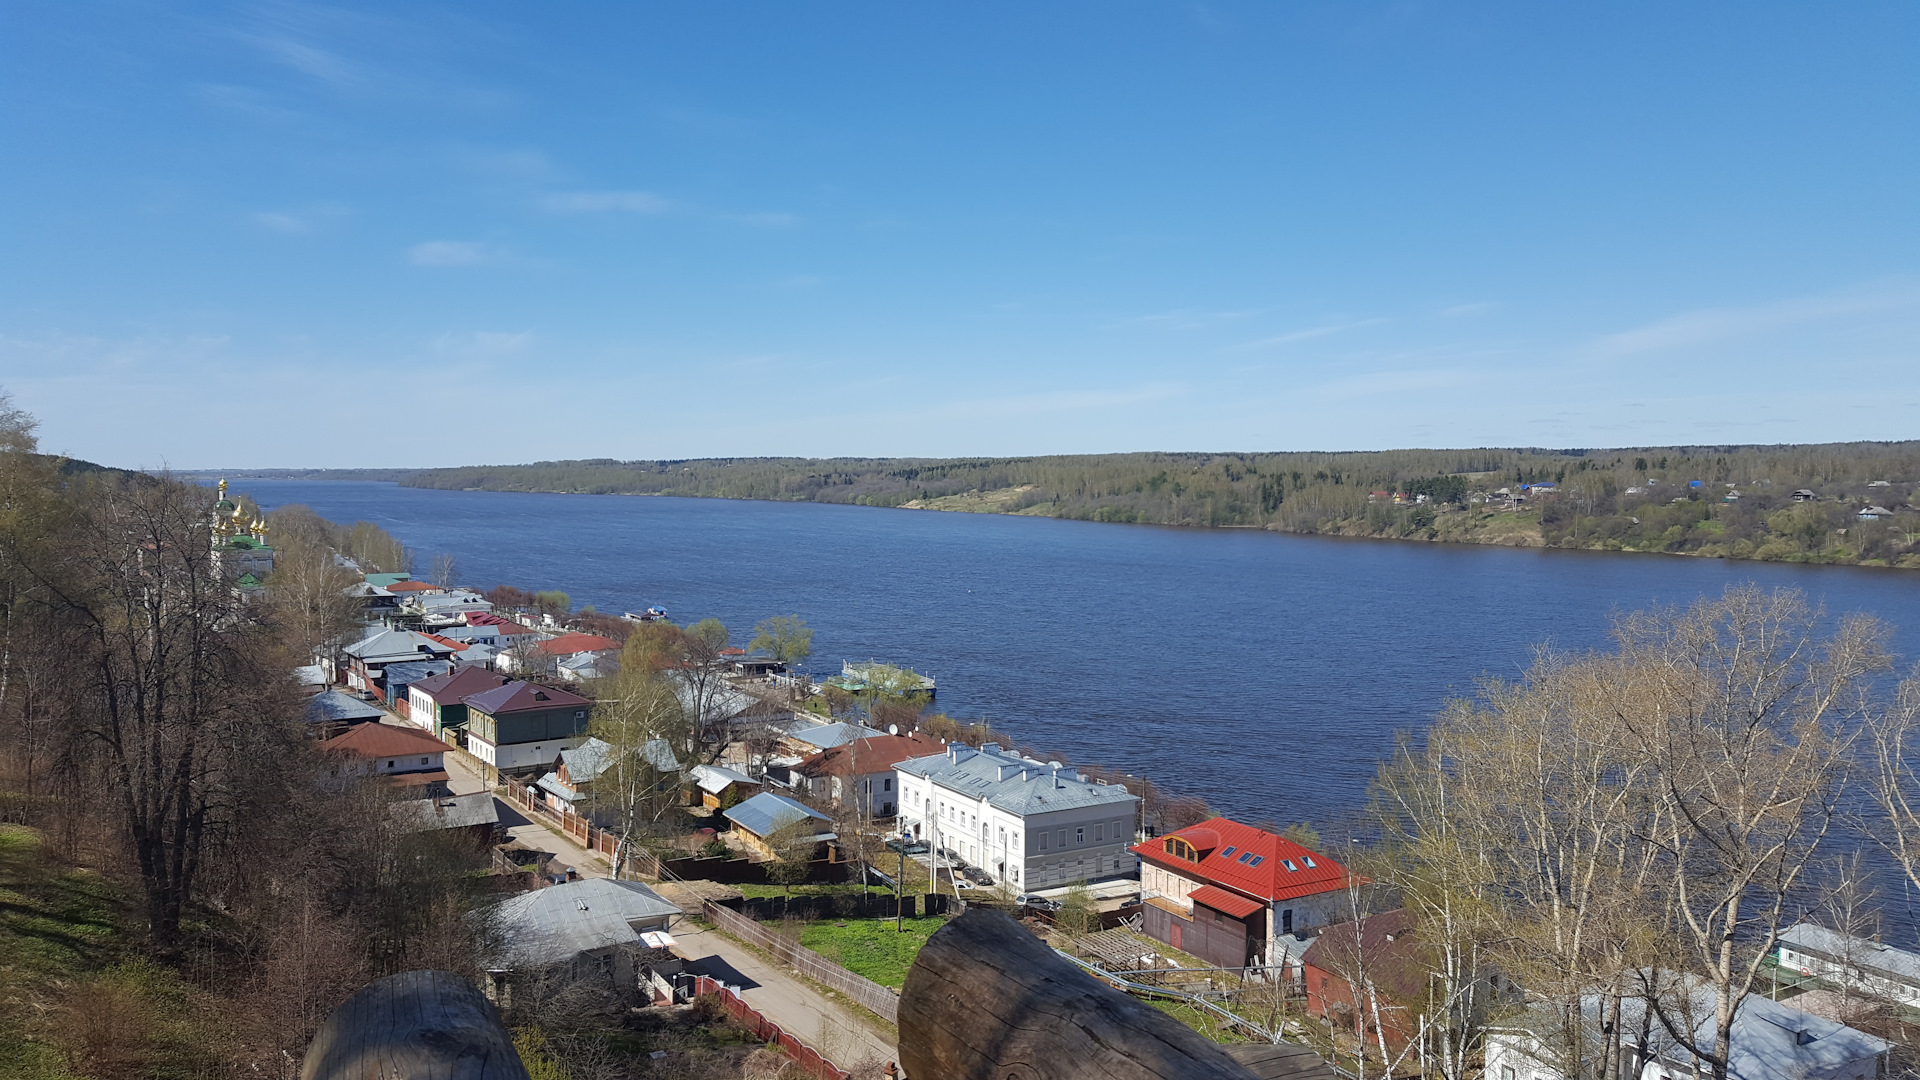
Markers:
point(766, 812)
point(413, 671)
point(452, 812)
point(1855, 952)
point(1018, 785)
point(332, 705)
point(553, 925)
point(387, 646)
point(828, 736)
point(714, 779)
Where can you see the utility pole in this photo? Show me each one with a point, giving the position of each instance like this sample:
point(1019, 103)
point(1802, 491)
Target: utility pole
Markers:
point(900, 888)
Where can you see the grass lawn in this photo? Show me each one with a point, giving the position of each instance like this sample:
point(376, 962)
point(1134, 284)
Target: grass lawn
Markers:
point(761, 892)
point(871, 947)
point(1205, 1023)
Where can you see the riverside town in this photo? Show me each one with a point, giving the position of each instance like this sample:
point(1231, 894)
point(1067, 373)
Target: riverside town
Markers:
point(619, 816)
point(1198, 540)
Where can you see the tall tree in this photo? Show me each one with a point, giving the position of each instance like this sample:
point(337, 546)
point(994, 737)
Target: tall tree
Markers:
point(786, 638)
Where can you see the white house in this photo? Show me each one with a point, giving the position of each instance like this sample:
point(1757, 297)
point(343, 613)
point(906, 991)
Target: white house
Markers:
point(1864, 966)
point(1768, 1040)
point(1031, 824)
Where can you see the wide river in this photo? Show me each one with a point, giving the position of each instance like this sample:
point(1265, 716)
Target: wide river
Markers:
point(1266, 673)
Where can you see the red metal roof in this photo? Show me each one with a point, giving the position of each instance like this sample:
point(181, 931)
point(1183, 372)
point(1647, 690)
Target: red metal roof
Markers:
point(569, 644)
point(1247, 860)
point(413, 586)
point(862, 756)
point(522, 697)
point(1220, 899)
point(450, 689)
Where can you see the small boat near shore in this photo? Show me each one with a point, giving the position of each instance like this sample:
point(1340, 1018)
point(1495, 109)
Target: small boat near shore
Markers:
point(652, 614)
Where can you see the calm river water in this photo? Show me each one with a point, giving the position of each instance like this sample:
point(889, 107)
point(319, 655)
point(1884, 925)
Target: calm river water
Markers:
point(1267, 673)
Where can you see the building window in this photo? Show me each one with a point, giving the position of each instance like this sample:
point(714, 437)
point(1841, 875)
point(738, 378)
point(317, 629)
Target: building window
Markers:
point(886, 785)
point(1061, 838)
point(1099, 833)
point(389, 764)
point(1043, 841)
point(1506, 1072)
point(1079, 837)
point(1286, 921)
point(423, 761)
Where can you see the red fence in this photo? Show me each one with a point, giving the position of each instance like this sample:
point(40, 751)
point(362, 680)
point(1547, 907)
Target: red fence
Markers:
point(803, 1055)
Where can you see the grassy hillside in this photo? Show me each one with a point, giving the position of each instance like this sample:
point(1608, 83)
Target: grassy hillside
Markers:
point(1670, 499)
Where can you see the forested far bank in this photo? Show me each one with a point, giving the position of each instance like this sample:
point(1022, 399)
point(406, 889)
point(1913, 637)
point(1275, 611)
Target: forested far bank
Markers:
point(1830, 502)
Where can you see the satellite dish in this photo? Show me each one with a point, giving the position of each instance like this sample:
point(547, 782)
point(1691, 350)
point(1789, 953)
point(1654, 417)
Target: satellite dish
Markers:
point(893, 729)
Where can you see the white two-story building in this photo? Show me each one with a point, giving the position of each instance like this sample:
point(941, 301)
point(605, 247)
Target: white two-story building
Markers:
point(1031, 824)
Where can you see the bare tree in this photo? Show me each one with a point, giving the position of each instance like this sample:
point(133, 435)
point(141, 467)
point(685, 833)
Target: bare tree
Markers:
point(445, 567)
point(1747, 717)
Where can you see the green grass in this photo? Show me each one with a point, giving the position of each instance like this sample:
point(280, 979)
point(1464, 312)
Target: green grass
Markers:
point(762, 892)
point(871, 947)
point(1203, 1022)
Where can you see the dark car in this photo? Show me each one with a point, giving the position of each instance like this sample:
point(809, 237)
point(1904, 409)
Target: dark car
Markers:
point(914, 847)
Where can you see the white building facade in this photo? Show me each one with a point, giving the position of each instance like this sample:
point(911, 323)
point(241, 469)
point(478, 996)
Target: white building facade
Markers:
point(1030, 824)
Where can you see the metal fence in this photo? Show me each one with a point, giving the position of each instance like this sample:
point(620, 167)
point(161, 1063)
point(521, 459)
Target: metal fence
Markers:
point(870, 995)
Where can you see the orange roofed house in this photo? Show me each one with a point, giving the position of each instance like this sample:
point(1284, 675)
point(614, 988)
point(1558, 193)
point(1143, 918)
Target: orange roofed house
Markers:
point(405, 758)
point(1236, 896)
point(860, 773)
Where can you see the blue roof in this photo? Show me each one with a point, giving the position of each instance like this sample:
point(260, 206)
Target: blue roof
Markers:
point(766, 812)
point(413, 671)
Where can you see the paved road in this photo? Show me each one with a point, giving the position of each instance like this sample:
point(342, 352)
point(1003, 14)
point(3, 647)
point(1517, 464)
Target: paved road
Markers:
point(782, 997)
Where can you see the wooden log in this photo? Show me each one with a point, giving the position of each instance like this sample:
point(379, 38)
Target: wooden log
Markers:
point(986, 1000)
point(1283, 1061)
point(418, 1025)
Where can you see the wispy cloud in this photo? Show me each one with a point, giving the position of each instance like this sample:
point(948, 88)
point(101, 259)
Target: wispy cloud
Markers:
point(481, 344)
point(299, 222)
point(1720, 324)
point(1308, 334)
point(241, 99)
point(454, 253)
point(596, 202)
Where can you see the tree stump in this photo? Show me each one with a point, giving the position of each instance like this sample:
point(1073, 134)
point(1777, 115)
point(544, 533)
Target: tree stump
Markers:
point(986, 1000)
point(418, 1025)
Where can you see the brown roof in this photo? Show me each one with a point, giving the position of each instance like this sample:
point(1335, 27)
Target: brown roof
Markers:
point(571, 643)
point(522, 697)
point(413, 586)
point(384, 740)
point(873, 755)
point(1389, 950)
point(452, 688)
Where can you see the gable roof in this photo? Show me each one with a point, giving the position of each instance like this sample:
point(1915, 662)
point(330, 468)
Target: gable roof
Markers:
point(507, 626)
point(570, 643)
point(453, 687)
point(861, 756)
point(1018, 785)
point(410, 671)
point(766, 813)
point(553, 925)
point(1247, 860)
point(383, 740)
point(1387, 946)
point(714, 779)
point(518, 696)
point(1852, 951)
point(385, 646)
point(387, 580)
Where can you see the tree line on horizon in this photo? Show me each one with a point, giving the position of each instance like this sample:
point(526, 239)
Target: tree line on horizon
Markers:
point(1646, 499)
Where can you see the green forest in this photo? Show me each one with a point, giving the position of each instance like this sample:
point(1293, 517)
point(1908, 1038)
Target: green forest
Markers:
point(1716, 501)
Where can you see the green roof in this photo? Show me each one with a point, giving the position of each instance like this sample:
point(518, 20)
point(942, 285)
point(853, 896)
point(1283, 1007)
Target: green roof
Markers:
point(382, 581)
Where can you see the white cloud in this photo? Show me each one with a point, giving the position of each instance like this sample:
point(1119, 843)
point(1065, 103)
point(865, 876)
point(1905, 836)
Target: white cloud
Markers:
point(453, 253)
point(1308, 334)
point(1720, 324)
point(590, 202)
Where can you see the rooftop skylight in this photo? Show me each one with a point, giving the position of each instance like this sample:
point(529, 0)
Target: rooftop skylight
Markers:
point(1228, 854)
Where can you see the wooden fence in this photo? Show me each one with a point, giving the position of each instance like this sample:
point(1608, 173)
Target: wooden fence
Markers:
point(809, 1059)
point(571, 825)
point(879, 1000)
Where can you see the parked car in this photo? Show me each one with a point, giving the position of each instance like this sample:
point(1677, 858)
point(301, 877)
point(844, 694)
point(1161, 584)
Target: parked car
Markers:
point(1037, 903)
point(978, 877)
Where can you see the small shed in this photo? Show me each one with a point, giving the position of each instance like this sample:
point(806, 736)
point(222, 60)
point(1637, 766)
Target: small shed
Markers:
point(721, 787)
point(331, 712)
point(587, 930)
point(766, 813)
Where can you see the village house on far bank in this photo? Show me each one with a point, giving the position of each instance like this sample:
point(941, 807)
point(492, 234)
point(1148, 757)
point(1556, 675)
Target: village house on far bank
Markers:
point(1235, 895)
point(1031, 824)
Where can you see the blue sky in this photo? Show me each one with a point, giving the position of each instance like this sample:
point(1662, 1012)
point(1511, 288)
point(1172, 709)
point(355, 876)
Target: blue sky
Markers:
point(406, 234)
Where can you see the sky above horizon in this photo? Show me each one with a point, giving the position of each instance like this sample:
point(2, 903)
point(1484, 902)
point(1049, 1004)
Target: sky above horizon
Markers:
point(407, 234)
